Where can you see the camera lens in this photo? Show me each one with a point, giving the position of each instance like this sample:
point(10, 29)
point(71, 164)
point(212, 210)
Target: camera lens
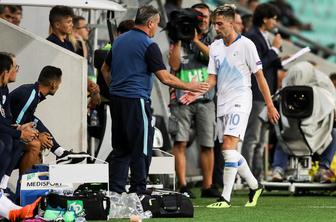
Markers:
point(297, 101)
point(182, 24)
point(185, 31)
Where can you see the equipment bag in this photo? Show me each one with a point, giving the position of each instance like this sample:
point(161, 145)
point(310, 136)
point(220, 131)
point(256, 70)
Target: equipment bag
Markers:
point(168, 205)
point(95, 205)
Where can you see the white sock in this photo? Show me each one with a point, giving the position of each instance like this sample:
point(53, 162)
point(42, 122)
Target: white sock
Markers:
point(231, 158)
point(6, 206)
point(4, 182)
point(59, 151)
point(245, 172)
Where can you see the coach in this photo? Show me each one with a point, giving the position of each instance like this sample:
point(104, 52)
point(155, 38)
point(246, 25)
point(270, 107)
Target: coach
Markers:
point(135, 56)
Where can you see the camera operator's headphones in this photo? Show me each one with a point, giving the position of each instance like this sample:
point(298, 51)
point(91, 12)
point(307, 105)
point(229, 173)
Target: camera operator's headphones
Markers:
point(202, 5)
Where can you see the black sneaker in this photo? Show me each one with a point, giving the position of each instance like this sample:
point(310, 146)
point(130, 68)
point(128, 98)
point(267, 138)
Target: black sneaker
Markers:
point(70, 157)
point(210, 192)
point(187, 192)
point(254, 196)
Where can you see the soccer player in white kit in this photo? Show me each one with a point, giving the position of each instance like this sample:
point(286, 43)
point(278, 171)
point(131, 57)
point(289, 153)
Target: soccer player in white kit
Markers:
point(233, 58)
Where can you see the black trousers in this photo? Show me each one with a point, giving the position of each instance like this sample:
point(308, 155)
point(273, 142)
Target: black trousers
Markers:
point(11, 152)
point(132, 143)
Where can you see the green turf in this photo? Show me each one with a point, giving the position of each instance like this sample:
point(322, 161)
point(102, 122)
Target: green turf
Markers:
point(272, 207)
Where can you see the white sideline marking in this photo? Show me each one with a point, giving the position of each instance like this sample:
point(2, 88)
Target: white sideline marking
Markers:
point(320, 207)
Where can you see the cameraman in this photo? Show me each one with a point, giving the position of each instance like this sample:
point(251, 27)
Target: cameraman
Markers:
point(188, 60)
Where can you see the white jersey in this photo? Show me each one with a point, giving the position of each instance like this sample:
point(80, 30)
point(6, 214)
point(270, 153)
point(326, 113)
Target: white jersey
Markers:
point(233, 66)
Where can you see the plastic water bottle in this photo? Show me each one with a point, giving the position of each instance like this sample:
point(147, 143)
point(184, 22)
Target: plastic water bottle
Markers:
point(146, 215)
point(94, 120)
point(80, 219)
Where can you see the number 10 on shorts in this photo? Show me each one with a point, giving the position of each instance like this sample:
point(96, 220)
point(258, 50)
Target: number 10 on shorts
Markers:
point(233, 119)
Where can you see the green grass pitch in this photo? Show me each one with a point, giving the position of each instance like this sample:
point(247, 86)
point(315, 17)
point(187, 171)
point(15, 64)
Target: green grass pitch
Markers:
point(272, 207)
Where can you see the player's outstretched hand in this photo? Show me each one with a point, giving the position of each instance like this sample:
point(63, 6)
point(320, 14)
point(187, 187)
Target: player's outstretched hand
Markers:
point(189, 97)
point(273, 114)
point(196, 86)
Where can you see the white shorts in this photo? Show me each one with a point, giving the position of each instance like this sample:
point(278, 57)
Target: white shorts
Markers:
point(233, 115)
point(232, 124)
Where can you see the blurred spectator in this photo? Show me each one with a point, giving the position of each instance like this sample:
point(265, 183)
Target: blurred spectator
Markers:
point(61, 23)
point(247, 22)
point(125, 26)
point(60, 18)
point(172, 5)
point(333, 78)
point(81, 32)
point(238, 24)
point(287, 16)
point(242, 3)
point(72, 39)
point(264, 19)
point(7, 13)
point(252, 4)
point(82, 47)
point(17, 15)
